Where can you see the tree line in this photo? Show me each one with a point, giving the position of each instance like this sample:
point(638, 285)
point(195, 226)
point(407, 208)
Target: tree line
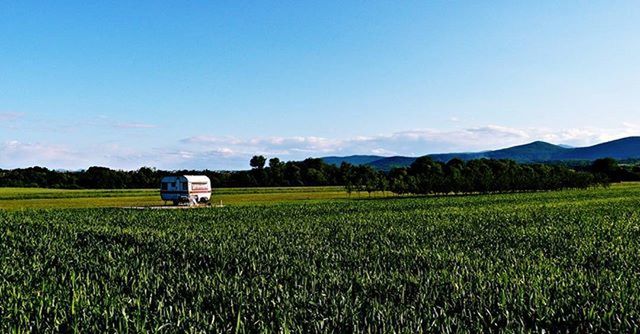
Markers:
point(424, 176)
point(263, 173)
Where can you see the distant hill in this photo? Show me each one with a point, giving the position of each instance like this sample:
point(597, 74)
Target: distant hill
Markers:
point(625, 148)
point(352, 159)
point(539, 151)
point(391, 162)
point(536, 151)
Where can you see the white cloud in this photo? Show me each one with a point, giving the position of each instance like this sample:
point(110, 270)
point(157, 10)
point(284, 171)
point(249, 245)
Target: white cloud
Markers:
point(14, 153)
point(205, 140)
point(227, 152)
point(586, 136)
point(382, 151)
point(501, 131)
point(412, 142)
point(265, 145)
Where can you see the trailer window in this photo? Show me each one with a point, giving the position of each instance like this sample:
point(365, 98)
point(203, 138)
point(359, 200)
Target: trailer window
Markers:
point(184, 186)
point(165, 185)
point(199, 186)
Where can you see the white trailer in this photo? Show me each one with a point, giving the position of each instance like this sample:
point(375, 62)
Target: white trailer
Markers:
point(191, 189)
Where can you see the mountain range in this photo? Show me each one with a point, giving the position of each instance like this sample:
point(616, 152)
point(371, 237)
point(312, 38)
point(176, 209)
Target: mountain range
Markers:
point(538, 151)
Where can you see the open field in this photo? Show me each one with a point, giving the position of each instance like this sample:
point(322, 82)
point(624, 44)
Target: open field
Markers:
point(518, 262)
point(36, 198)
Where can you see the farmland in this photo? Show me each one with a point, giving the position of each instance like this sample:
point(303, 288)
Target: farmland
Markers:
point(37, 198)
point(566, 260)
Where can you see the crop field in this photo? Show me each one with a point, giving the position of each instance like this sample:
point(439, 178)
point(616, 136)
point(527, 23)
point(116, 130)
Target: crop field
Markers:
point(36, 198)
point(555, 261)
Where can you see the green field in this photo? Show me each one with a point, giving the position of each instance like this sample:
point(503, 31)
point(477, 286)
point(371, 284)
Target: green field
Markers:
point(556, 261)
point(35, 198)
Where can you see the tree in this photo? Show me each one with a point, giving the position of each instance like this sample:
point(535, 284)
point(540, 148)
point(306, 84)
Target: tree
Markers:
point(258, 162)
point(365, 178)
point(145, 177)
point(429, 175)
point(276, 172)
point(479, 176)
point(346, 173)
point(275, 163)
point(455, 180)
point(315, 177)
point(398, 181)
point(292, 174)
point(608, 168)
point(382, 183)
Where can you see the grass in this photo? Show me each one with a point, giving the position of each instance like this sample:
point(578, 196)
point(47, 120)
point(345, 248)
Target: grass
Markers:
point(555, 261)
point(36, 198)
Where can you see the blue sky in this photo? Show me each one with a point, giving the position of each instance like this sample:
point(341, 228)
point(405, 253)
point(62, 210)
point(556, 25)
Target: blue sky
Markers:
point(188, 84)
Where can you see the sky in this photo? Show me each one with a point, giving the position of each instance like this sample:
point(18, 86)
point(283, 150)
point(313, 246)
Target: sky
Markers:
point(208, 84)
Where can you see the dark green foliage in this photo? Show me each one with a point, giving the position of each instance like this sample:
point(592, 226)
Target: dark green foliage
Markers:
point(310, 172)
point(455, 176)
point(258, 162)
point(608, 169)
point(426, 176)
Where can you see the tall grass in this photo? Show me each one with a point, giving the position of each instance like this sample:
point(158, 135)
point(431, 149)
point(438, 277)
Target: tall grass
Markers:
point(565, 261)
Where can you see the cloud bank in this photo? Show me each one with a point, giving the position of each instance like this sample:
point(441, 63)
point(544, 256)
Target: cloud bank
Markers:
point(413, 142)
point(226, 152)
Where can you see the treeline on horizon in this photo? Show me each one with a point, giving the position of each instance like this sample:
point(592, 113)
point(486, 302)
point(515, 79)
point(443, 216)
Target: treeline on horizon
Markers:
point(424, 176)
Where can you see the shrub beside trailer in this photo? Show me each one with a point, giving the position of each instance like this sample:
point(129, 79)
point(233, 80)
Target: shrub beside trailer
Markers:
point(191, 189)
